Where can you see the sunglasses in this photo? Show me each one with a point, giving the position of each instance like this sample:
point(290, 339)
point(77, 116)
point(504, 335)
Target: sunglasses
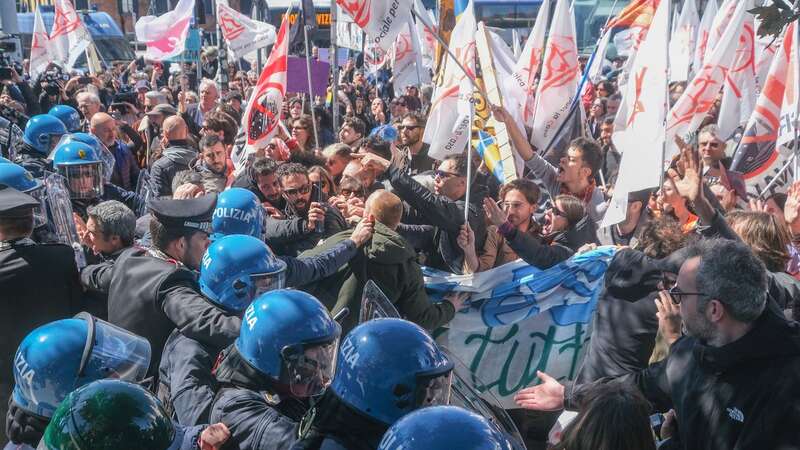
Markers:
point(297, 191)
point(677, 295)
point(557, 212)
point(443, 175)
point(299, 128)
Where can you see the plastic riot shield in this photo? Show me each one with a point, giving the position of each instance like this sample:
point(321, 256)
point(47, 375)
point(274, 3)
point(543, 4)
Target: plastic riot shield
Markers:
point(144, 191)
point(469, 392)
point(375, 304)
point(59, 211)
point(108, 163)
point(10, 138)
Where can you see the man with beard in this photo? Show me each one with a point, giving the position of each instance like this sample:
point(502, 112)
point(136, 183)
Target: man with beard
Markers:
point(211, 163)
point(352, 132)
point(126, 168)
point(150, 129)
point(411, 130)
point(299, 231)
point(609, 166)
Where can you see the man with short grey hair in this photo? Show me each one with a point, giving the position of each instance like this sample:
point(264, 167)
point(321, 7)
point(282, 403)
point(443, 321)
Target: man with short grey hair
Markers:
point(109, 228)
point(89, 105)
point(731, 379)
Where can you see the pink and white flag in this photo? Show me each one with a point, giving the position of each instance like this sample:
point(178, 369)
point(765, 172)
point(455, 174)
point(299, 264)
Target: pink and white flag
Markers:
point(692, 107)
point(530, 61)
point(448, 127)
point(165, 35)
point(381, 20)
point(407, 69)
point(69, 37)
point(682, 44)
point(262, 115)
point(559, 80)
point(642, 138)
point(42, 52)
point(243, 34)
point(739, 92)
point(703, 32)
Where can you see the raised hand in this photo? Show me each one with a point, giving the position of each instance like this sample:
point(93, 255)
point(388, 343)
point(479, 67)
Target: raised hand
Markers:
point(546, 396)
point(688, 183)
point(494, 214)
point(791, 210)
point(669, 317)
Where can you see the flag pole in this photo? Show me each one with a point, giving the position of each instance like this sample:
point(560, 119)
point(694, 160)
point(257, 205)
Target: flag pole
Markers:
point(469, 156)
point(308, 73)
point(666, 104)
point(334, 65)
point(796, 149)
point(792, 159)
point(449, 52)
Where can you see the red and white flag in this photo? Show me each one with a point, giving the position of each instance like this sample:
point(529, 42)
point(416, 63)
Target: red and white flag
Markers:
point(448, 127)
point(262, 115)
point(381, 20)
point(791, 103)
point(758, 157)
point(427, 34)
point(559, 80)
point(42, 52)
point(69, 37)
point(243, 34)
point(703, 32)
point(407, 69)
point(642, 139)
point(682, 45)
point(692, 107)
point(719, 25)
point(165, 35)
point(530, 61)
point(739, 92)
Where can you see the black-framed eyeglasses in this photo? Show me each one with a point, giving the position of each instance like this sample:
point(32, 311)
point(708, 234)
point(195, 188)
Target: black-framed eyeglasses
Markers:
point(443, 174)
point(297, 191)
point(677, 295)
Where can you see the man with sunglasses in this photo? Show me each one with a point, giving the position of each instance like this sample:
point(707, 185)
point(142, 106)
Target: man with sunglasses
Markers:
point(299, 230)
point(731, 379)
point(411, 129)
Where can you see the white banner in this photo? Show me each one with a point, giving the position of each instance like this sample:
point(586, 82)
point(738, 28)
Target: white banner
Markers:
point(243, 34)
point(683, 43)
point(559, 81)
point(739, 91)
point(381, 20)
point(165, 35)
point(530, 61)
point(703, 32)
point(42, 52)
point(69, 37)
point(407, 69)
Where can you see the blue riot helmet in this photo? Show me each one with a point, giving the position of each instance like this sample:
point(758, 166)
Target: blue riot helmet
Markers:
point(290, 337)
point(80, 164)
point(4, 160)
point(68, 115)
point(15, 176)
point(238, 268)
point(389, 367)
point(43, 132)
point(58, 357)
point(100, 149)
point(238, 211)
point(440, 427)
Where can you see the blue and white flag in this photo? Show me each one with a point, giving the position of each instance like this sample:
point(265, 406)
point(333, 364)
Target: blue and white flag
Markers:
point(522, 319)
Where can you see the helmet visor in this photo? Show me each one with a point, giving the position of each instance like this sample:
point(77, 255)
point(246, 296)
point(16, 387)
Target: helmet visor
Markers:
point(83, 180)
point(40, 212)
point(265, 282)
point(114, 353)
point(433, 389)
point(309, 372)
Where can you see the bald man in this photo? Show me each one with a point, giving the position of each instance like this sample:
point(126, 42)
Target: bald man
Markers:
point(126, 169)
point(177, 156)
point(391, 263)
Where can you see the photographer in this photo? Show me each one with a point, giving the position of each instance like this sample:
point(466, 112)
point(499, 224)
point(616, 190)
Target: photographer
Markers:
point(49, 89)
point(18, 89)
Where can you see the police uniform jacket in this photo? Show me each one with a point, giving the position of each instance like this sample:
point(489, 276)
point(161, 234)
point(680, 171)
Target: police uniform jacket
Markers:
point(150, 296)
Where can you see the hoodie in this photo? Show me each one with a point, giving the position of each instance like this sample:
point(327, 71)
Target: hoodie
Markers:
point(389, 261)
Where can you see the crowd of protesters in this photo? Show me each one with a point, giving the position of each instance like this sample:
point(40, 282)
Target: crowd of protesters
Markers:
point(696, 319)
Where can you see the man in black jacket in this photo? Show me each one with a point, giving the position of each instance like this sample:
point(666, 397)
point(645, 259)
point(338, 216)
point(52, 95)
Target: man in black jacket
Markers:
point(731, 379)
point(176, 157)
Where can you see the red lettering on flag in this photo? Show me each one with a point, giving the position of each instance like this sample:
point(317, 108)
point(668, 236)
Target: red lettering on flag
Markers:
point(231, 28)
point(64, 22)
point(562, 63)
point(637, 103)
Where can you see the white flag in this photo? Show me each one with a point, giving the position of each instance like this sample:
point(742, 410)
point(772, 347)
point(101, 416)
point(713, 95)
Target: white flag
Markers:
point(448, 129)
point(739, 91)
point(69, 37)
point(693, 106)
point(703, 32)
point(243, 34)
point(165, 35)
point(41, 50)
point(682, 45)
point(791, 103)
point(427, 34)
point(407, 69)
point(381, 20)
point(559, 81)
point(530, 61)
point(642, 139)
point(719, 25)
point(262, 115)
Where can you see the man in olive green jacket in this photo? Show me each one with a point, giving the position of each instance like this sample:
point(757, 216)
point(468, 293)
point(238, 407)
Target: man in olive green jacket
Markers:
point(391, 263)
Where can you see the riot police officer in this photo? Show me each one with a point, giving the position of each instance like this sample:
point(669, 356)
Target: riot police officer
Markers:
point(282, 357)
point(80, 164)
point(42, 133)
point(68, 115)
point(60, 356)
point(440, 427)
point(118, 415)
point(15, 176)
point(238, 211)
point(39, 282)
point(153, 290)
point(385, 369)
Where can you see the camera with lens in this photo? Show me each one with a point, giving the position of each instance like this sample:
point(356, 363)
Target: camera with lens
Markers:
point(51, 81)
